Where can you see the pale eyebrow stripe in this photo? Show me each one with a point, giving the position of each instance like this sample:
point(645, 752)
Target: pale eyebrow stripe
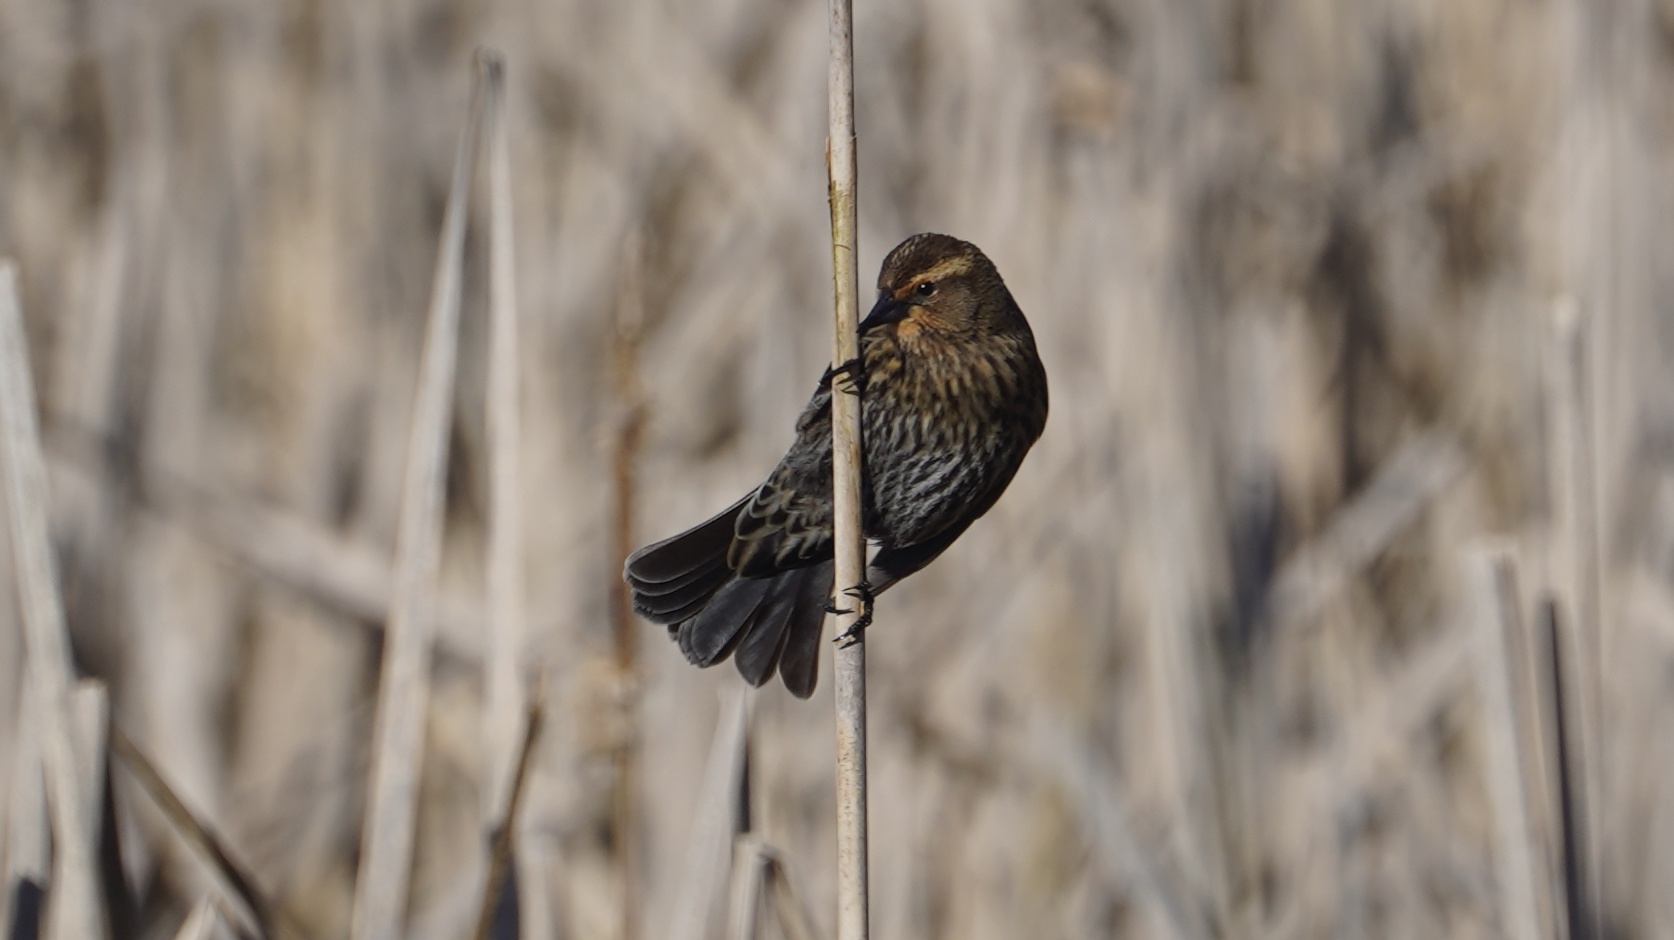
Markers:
point(947, 267)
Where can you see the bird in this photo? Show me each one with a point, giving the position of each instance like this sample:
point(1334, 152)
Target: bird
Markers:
point(953, 396)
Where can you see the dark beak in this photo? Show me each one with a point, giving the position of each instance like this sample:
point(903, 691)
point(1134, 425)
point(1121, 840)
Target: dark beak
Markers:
point(886, 310)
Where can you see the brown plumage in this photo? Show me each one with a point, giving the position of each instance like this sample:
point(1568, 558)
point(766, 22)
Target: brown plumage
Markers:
point(953, 396)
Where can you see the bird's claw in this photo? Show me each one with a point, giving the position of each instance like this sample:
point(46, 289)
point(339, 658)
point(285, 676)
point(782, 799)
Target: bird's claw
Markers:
point(853, 370)
point(863, 593)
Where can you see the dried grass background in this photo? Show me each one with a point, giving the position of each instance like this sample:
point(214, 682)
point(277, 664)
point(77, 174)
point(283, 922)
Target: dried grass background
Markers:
point(1301, 272)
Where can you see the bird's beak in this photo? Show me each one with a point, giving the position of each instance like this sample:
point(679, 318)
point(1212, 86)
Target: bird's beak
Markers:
point(886, 310)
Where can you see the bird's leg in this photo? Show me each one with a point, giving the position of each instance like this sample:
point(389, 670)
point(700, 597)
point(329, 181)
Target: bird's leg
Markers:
point(861, 592)
point(853, 370)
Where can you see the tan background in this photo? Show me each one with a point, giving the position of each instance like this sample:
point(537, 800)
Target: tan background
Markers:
point(1299, 270)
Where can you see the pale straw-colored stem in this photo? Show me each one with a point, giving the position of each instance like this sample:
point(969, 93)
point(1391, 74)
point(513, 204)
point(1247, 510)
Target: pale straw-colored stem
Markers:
point(404, 686)
point(1494, 627)
point(850, 657)
point(506, 692)
point(710, 842)
point(76, 907)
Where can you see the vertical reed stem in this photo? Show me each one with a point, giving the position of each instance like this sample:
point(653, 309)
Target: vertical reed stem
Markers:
point(624, 624)
point(404, 686)
point(850, 658)
point(506, 693)
point(75, 905)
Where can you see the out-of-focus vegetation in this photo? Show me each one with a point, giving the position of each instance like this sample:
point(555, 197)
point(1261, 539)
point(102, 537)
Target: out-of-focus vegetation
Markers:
point(1341, 302)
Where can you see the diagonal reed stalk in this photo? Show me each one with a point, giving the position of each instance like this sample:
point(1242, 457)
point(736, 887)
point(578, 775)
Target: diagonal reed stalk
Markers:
point(76, 911)
point(850, 659)
point(404, 687)
point(201, 924)
point(236, 880)
point(502, 854)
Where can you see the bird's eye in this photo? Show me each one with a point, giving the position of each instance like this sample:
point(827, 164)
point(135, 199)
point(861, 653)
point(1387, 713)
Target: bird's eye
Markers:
point(925, 288)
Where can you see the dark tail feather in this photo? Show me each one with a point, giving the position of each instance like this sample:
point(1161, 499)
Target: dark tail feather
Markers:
point(674, 578)
point(774, 624)
point(764, 638)
point(799, 665)
point(690, 606)
point(681, 584)
point(676, 601)
point(679, 555)
point(710, 635)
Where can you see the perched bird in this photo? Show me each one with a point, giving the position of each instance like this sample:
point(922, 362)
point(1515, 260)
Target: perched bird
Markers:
point(953, 395)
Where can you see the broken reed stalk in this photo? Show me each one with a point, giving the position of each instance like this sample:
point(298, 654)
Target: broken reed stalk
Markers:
point(629, 318)
point(849, 661)
point(404, 685)
point(506, 694)
point(77, 911)
point(759, 873)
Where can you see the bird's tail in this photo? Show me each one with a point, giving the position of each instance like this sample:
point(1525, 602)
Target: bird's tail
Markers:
point(773, 624)
point(673, 579)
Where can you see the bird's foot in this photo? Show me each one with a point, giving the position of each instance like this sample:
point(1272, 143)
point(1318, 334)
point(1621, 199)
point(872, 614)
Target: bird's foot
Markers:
point(861, 592)
point(853, 371)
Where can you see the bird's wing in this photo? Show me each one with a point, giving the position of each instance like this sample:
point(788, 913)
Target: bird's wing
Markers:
point(786, 524)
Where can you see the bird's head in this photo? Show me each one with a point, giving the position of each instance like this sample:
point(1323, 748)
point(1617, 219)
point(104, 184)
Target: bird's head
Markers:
point(940, 284)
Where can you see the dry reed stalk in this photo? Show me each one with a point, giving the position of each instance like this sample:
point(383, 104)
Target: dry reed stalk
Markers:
point(1576, 568)
point(758, 867)
point(292, 550)
point(794, 920)
point(1393, 711)
point(201, 924)
point(86, 370)
point(403, 693)
point(1095, 796)
point(90, 726)
point(1359, 531)
point(1534, 734)
point(1181, 689)
point(624, 624)
point(77, 908)
point(28, 844)
point(849, 660)
point(542, 890)
point(749, 870)
point(1493, 622)
point(506, 693)
point(711, 837)
point(502, 856)
point(234, 878)
point(1581, 916)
